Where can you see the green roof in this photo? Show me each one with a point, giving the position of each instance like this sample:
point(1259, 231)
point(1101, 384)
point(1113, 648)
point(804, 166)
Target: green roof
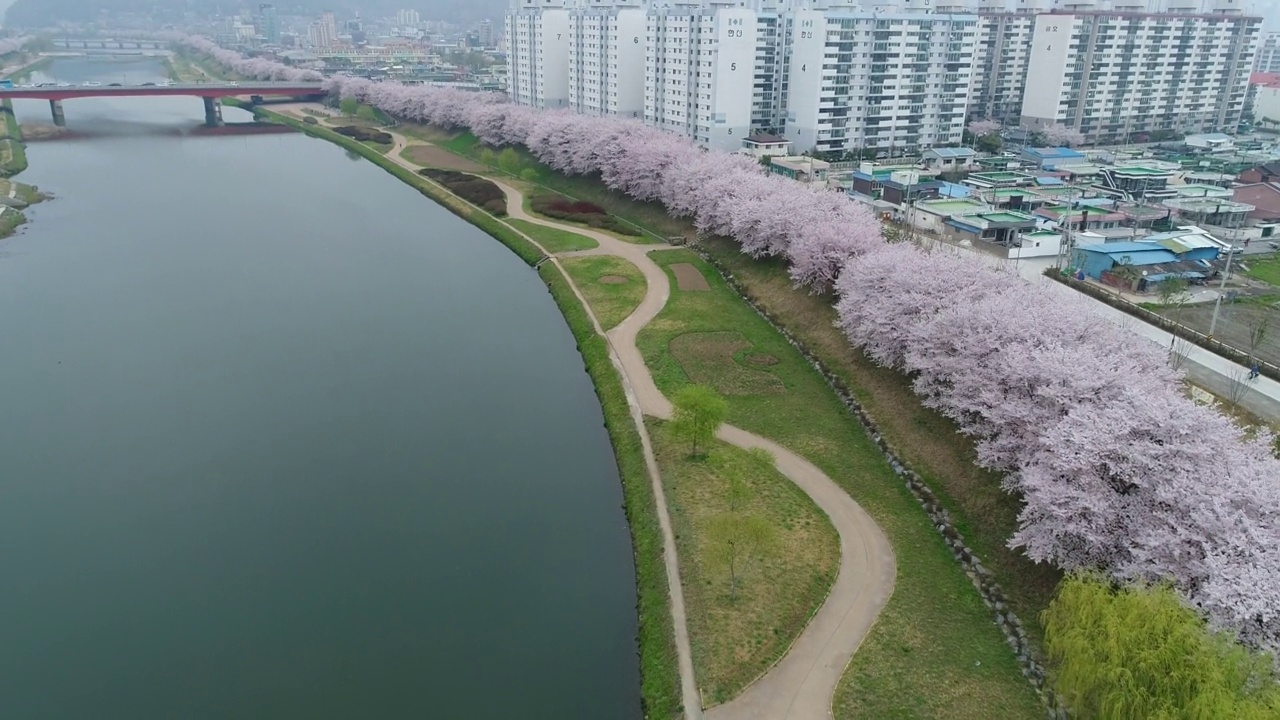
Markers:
point(1006, 217)
point(947, 207)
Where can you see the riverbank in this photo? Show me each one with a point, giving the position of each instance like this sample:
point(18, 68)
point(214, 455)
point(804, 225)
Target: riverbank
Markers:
point(660, 684)
point(962, 665)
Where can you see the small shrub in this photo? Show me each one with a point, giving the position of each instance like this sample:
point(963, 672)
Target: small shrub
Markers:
point(497, 207)
point(310, 120)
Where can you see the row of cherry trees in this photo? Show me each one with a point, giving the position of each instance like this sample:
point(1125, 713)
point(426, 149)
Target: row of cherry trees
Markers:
point(1056, 134)
point(13, 44)
point(1118, 470)
point(257, 68)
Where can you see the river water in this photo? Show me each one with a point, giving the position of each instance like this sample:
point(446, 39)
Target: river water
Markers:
point(281, 438)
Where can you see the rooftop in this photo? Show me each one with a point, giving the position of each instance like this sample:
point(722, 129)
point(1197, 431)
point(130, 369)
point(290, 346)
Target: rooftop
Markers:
point(766, 139)
point(953, 152)
point(1139, 171)
point(950, 207)
point(1053, 152)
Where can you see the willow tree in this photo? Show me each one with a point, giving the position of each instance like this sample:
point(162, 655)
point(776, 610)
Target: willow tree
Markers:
point(1139, 652)
point(699, 410)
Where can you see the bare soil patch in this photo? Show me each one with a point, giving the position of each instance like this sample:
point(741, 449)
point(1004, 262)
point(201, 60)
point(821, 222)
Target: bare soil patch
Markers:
point(432, 156)
point(711, 358)
point(613, 279)
point(688, 278)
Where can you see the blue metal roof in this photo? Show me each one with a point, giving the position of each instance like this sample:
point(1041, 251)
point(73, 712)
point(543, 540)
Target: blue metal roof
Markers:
point(1057, 152)
point(1119, 247)
point(1132, 253)
point(952, 190)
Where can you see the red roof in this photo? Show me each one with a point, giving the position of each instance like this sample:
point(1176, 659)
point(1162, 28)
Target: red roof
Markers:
point(1265, 79)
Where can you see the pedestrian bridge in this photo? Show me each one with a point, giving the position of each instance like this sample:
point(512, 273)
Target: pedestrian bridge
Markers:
point(210, 92)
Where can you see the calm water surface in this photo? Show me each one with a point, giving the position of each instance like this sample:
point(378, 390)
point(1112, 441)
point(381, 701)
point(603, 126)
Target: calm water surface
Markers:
point(279, 438)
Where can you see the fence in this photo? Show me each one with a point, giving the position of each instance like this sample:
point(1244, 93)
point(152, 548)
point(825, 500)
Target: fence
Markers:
point(1211, 344)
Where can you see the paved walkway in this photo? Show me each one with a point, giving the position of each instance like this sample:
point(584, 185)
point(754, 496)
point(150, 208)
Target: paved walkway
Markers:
point(801, 685)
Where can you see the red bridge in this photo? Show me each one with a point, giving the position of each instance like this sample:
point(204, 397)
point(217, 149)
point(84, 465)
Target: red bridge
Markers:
point(211, 92)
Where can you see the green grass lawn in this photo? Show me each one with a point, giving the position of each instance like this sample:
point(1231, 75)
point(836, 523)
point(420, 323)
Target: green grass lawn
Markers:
point(935, 651)
point(613, 287)
point(554, 240)
point(736, 636)
point(1267, 270)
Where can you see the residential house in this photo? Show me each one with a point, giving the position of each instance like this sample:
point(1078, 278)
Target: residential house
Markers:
point(1264, 173)
point(948, 159)
point(1210, 142)
point(761, 145)
point(800, 168)
point(1049, 158)
point(1137, 265)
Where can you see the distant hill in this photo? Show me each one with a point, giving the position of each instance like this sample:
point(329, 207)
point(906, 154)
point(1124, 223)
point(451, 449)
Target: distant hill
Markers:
point(42, 13)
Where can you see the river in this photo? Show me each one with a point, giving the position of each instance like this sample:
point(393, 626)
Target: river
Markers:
point(279, 437)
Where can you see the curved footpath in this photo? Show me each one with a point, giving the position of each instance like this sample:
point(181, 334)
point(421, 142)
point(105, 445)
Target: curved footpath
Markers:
point(801, 685)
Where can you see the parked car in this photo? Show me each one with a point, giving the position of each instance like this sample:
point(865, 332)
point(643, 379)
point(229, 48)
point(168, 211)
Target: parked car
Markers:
point(91, 83)
point(114, 85)
point(148, 84)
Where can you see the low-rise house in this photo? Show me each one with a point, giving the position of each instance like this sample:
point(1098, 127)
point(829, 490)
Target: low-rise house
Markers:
point(1133, 182)
point(1262, 173)
point(1137, 265)
point(761, 145)
point(1079, 218)
point(1049, 158)
point(800, 168)
point(1265, 199)
point(1210, 142)
point(1001, 227)
point(985, 180)
point(949, 159)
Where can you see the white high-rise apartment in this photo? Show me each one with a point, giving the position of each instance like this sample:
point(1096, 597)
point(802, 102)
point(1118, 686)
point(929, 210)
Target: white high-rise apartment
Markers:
point(1111, 73)
point(408, 18)
point(1000, 59)
point(321, 34)
point(538, 53)
point(700, 71)
point(607, 58)
point(885, 82)
point(1268, 54)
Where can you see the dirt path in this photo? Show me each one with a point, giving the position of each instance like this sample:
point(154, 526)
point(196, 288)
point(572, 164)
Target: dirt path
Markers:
point(801, 685)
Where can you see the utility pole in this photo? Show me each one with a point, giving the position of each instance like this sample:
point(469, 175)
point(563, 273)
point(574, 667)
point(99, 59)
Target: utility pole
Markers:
point(1217, 304)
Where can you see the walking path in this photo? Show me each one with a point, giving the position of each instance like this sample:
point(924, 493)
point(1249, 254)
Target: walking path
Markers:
point(801, 685)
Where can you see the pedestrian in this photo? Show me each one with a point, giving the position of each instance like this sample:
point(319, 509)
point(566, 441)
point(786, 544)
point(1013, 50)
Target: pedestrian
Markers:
point(1254, 372)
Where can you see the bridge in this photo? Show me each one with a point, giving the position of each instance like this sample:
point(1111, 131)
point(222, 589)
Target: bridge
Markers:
point(109, 43)
point(210, 92)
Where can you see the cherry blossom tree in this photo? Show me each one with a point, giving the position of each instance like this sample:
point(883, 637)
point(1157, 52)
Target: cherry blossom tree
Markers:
point(983, 128)
point(1061, 135)
point(1116, 468)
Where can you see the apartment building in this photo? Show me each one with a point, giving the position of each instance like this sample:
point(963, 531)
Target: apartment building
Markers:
point(538, 53)
point(1268, 54)
point(700, 71)
point(1000, 59)
point(887, 83)
point(1111, 73)
point(607, 58)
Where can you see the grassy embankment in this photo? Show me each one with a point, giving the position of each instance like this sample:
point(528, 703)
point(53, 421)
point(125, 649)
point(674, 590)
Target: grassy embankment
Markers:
point(554, 240)
point(935, 651)
point(613, 287)
point(1267, 270)
point(13, 152)
point(660, 686)
point(741, 623)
